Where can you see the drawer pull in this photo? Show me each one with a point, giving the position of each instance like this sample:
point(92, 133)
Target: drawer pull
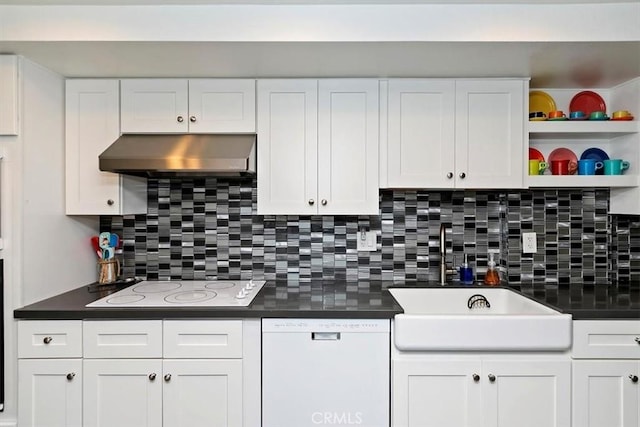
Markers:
point(152, 376)
point(325, 336)
point(638, 340)
point(47, 340)
point(476, 377)
point(167, 377)
point(492, 378)
point(633, 378)
point(71, 375)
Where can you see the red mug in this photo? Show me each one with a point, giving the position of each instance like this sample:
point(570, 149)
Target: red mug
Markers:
point(563, 167)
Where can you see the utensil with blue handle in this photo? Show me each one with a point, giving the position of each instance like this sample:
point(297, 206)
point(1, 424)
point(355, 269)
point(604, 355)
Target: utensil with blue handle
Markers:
point(105, 244)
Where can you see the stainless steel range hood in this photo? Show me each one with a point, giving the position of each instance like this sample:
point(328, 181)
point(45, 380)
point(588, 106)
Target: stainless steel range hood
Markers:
point(228, 155)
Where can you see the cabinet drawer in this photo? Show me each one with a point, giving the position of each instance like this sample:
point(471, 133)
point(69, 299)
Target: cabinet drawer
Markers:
point(122, 339)
point(203, 339)
point(614, 339)
point(49, 338)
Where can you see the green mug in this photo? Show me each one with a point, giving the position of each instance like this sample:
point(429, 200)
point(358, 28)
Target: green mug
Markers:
point(615, 166)
point(537, 167)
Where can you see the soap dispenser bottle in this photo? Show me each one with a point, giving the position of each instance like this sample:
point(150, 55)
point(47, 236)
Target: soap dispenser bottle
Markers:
point(466, 272)
point(492, 278)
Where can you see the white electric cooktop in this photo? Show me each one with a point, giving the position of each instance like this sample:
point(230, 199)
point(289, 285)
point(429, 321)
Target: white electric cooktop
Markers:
point(184, 293)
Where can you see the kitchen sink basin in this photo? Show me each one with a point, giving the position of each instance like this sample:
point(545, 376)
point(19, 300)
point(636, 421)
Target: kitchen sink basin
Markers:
point(477, 319)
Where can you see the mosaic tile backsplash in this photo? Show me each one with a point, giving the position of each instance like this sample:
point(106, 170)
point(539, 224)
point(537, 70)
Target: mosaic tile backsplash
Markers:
point(206, 228)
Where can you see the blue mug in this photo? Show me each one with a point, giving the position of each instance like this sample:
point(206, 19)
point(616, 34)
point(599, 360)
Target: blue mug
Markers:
point(577, 115)
point(589, 166)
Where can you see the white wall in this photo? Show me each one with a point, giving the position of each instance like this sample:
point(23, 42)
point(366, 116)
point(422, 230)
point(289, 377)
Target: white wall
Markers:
point(45, 252)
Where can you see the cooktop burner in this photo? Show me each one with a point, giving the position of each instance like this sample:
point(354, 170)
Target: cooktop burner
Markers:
point(184, 293)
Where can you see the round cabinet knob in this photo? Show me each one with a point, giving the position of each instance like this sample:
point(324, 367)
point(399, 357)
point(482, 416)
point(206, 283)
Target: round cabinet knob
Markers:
point(180, 119)
point(192, 119)
point(492, 378)
point(462, 175)
point(47, 340)
point(324, 202)
point(71, 375)
point(167, 377)
point(633, 378)
point(110, 202)
point(450, 175)
point(152, 376)
point(311, 202)
point(476, 377)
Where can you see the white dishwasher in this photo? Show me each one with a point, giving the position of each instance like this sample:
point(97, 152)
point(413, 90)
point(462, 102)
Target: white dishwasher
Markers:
point(325, 372)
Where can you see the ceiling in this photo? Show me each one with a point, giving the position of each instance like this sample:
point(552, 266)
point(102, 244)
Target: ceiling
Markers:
point(573, 65)
point(555, 64)
point(301, 2)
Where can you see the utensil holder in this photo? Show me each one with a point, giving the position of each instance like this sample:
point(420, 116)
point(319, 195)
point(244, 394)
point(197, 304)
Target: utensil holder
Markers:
point(108, 270)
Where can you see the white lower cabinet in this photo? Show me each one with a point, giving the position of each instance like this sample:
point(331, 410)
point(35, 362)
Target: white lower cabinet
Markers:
point(526, 391)
point(605, 393)
point(202, 393)
point(123, 393)
point(168, 393)
point(138, 373)
point(606, 373)
point(50, 392)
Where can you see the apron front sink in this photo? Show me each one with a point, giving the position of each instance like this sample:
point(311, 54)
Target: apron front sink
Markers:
point(477, 319)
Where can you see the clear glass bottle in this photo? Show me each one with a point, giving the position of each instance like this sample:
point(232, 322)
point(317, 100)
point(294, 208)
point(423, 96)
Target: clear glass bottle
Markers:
point(492, 278)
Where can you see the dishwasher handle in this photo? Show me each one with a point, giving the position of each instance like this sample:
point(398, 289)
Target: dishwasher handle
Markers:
point(325, 336)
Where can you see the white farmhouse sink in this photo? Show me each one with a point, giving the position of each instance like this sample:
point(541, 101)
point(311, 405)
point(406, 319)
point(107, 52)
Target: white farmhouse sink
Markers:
point(439, 319)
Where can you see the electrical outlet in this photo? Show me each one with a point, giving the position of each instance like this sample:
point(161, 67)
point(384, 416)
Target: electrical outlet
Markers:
point(529, 243)
point(366, 241)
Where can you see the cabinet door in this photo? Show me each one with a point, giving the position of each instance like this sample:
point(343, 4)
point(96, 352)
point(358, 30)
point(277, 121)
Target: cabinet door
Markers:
point(435, 394)
point(604, 394)
point(348, 147)
point(288, 146)
point(92, 124)
point(490, 133)
point(50, 392)
point(122, 393)
point(199, 393)
point(9, 98)
point(420, 151)
point(154, 106)
point(222, 105)
point(526, 393)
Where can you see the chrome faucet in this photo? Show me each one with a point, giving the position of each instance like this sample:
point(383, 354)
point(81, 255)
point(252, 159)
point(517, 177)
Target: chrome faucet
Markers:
point(444, 268)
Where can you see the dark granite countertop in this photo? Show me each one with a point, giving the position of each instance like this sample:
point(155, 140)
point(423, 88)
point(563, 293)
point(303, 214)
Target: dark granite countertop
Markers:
point(331, 299)
point(320, 300)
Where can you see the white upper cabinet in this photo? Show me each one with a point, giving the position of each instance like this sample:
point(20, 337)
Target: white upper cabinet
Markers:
point(318, 147)
point(348, 147)
point(490, 133)
point(9, 95)
point(421, 124)
point(446, 133)
point(92, 112)
point(181, 106)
